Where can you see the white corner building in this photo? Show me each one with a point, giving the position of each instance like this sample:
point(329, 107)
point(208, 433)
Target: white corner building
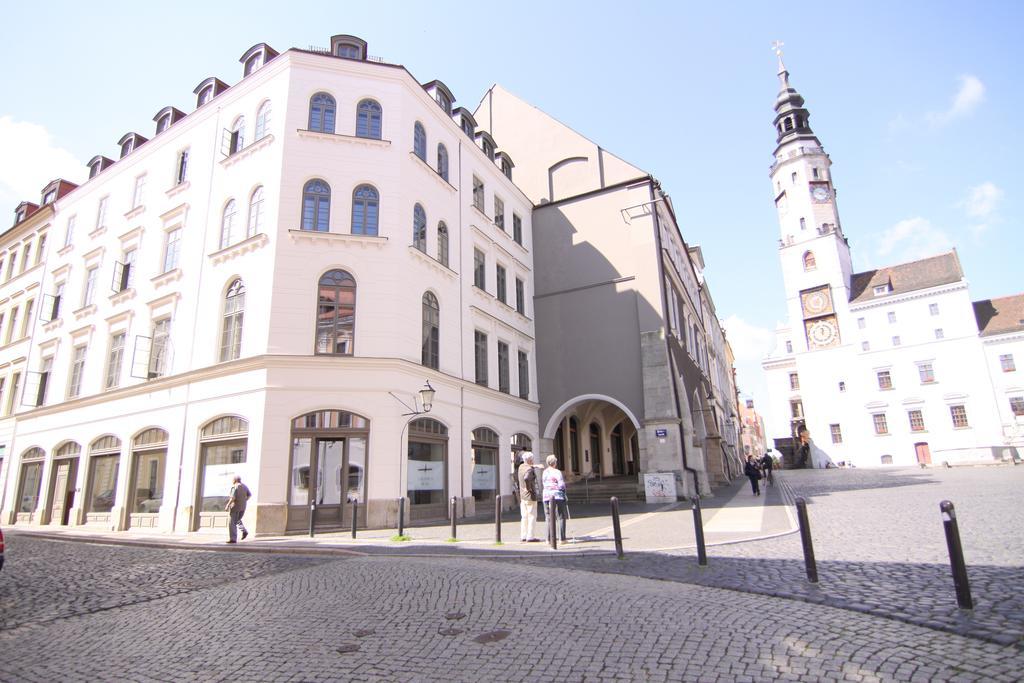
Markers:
point(262, 288)
point(891, 366)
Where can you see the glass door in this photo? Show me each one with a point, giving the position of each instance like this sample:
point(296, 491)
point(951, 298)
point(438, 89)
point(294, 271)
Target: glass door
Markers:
point(330, 461)
point(318, 476)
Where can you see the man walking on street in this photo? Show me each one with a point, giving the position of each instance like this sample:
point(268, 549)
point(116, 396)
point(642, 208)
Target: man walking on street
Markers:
point(527, 476)
point(237, 500)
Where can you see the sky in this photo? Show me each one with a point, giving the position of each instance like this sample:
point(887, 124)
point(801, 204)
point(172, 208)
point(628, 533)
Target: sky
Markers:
point(917, 103)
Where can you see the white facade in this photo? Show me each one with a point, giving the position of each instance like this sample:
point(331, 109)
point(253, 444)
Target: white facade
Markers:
point(236, 372)
point(882, 367)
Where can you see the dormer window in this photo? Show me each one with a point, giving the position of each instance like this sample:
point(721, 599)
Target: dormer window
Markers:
point(19, 215)
point(163, 123)
point(49, 196)
point(205, 95)
point(348, 47)
point(444, 102)
point(127, 146)
point(347, 51)
point(94, 169)
point(488, 149)
point(253, 63)
point(506, 168)
point(881, 290)
point(208, 89)
point(467, 127)
point(129, 143)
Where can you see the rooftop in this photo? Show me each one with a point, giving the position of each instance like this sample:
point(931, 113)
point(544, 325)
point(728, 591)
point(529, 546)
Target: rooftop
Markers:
point(928, 272)
point(999, 316)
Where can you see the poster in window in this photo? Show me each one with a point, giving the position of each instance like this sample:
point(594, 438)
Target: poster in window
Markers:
point(426, 475)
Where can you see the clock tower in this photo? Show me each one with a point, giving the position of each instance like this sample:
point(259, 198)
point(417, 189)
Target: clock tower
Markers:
point(815, 255)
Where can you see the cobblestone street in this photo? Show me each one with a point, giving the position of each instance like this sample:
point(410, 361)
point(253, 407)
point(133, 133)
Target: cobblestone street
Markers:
point(884, 609)
point(190, 615)
point(880, 547)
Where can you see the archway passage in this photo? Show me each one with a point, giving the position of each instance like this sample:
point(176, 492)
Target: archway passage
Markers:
point(593, 437)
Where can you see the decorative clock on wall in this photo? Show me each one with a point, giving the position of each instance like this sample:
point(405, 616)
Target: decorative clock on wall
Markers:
point(822, 333)
point(816, 302)
point(820, 193)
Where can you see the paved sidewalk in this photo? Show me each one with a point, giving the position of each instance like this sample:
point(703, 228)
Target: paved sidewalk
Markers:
point(732, 515)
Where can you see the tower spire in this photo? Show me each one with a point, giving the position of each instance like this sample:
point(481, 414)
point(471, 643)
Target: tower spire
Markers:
point(790, 115)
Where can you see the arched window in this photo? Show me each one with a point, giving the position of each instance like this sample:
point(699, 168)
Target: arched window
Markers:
point(809, 261)
point(789, 123)
point(430, 356)
point(255, 225)
point(419, 141)
point(104, 461)
point(485, 464)
point(442, 161)
point(336, 313)
point(368, 118)
point(365, 210)
point(321, 113)
point(419, 228)
point(442, 243)
point(227, 224)
point(262, 121)
point(231, 330)
point(224, 444)
point(886, 459)
point(316, 206)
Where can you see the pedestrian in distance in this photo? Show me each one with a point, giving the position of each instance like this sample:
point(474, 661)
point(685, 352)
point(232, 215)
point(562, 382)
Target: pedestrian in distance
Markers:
point(767, 465)
point(753, 474)
point(529, 489)
point(237, 499)
point(554, 490)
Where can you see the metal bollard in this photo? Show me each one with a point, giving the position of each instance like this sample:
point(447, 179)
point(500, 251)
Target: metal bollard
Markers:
point(401, 516)
point(617, 528)
point(312, 517)
point(698, 529)
point(956, 556)
point(552, 528)
point(355, 515)
point(497, 519)
point(805, 539)
point(455, 529)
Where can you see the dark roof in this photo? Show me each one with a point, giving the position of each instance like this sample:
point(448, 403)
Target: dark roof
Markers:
point(907, 277)
point(999, 316)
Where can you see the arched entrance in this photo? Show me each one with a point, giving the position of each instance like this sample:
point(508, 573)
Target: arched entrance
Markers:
point(427, 487)
point(63, 481)
point(146, 486)
point(223, 453)
point(605, 448)
point(101, 482)
point(327, 469)
point(29, 484)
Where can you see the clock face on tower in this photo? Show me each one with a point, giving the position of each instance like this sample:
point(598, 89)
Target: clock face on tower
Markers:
point(822, 333)
point(816, 302)
point(820, 193)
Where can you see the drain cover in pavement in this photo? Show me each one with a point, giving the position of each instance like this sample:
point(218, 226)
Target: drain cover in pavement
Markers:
point(363, 632)
point(454, 616)
point(492, 636)
point(347, 648)
point(449, 631)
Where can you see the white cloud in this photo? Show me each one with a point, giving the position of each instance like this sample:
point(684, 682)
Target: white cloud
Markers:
point(982, 201)
point(966, 100)
point(912, 239)
point(30, 159)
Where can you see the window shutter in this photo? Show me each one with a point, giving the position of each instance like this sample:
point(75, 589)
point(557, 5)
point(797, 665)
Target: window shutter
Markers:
point(141, 356)
point(35, 385)
point(48, 309)
point(120, 280)
point(225, 143)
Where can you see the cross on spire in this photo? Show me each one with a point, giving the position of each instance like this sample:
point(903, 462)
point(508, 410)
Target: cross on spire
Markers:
point(777, 49)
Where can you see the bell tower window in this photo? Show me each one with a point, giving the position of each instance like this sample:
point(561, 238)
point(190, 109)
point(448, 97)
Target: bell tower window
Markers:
point(810, 263)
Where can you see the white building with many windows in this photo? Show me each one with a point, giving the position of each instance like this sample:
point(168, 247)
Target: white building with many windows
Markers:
point(262, 288)
point(894, 365)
